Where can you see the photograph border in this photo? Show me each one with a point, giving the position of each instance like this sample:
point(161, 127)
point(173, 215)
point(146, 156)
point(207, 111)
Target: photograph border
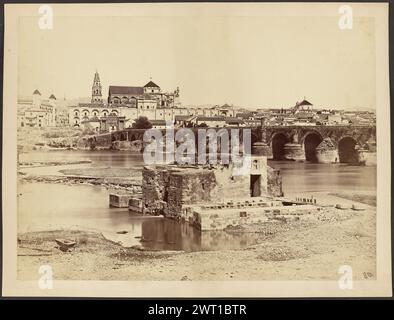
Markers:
point(380, 287)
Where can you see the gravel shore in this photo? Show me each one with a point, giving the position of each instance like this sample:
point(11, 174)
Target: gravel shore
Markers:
point(295, 251)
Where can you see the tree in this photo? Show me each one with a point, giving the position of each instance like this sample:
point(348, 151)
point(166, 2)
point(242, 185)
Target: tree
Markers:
point(142, 123)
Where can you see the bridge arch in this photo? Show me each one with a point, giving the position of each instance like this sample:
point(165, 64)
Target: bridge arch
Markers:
point(347, 150)
point(278, 141)
point(254, 137)
point(310, 141)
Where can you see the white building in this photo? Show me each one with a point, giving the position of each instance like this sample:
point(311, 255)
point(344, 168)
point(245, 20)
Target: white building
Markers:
point(35, 112)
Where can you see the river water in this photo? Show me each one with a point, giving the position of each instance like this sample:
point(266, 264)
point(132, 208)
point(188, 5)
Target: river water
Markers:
point(43, 206)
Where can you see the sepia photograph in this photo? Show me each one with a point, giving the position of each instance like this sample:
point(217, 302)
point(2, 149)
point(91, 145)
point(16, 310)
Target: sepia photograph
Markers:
point(196, 150)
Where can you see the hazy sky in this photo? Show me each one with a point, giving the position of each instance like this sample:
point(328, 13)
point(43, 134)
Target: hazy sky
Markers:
point(247, 61)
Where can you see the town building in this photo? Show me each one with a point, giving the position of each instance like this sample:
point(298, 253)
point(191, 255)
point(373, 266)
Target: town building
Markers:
point(158, 124)
point(129, 102)
point(112, 123)
point(334, 119)
point(216, 121)
point(36, 112)
point(303, 106)
point(132, 102)
point(92, 124)
point(149, 96)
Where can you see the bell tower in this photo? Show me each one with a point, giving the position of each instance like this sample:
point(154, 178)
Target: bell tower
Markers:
point(96, 89)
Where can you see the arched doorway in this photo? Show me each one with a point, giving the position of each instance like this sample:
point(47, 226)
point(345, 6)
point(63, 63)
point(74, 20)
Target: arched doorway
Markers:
point(311, 141)
point(347, 150)
point(278, 146)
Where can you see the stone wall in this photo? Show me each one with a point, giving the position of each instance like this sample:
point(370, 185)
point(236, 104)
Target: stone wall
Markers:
point(167, 189)
point(154, 190)
point(101, 141)
point(327, 152)
point(221, 219)
point(188, 187)
point(135, 205)
point(274, 183)
point(229, 186)
point(119, 200)
point(127, 145)
point(367, 158)
point(294, 151)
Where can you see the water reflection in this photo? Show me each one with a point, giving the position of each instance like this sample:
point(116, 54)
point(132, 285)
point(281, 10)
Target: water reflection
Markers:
point(166, 234)
point(52, 206)
point(44, 206)
point(297, 176)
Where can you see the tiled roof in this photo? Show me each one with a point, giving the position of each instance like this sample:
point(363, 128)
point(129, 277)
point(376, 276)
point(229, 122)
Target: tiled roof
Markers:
point(158, 122)
point(244, 115)
point(151, 84)
point(52, 97)
point(304, 103)
point(215, 118)
point(234, 120)
point(180, 117)
point(119, 90)
point(36, 92)
point(304, 115)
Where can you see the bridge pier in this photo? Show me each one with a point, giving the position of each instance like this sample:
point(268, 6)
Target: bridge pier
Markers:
point(366, 157)
point(327, 156)
point(262, 149)
point(327, 152)
point(294, 151)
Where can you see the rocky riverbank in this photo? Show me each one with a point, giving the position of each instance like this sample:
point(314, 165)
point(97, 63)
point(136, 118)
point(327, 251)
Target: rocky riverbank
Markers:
point(50, 163)
point(129, 185)
point(71, 173)
point(368, 198)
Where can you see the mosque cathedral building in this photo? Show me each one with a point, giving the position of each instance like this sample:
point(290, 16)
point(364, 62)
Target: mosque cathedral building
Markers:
point(127, 101)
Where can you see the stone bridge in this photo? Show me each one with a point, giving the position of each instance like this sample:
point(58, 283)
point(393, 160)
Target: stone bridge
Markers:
point(323, 144)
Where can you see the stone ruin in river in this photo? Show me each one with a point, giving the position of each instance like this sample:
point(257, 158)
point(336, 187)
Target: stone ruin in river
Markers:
point(216, 197)
point(212, 197)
